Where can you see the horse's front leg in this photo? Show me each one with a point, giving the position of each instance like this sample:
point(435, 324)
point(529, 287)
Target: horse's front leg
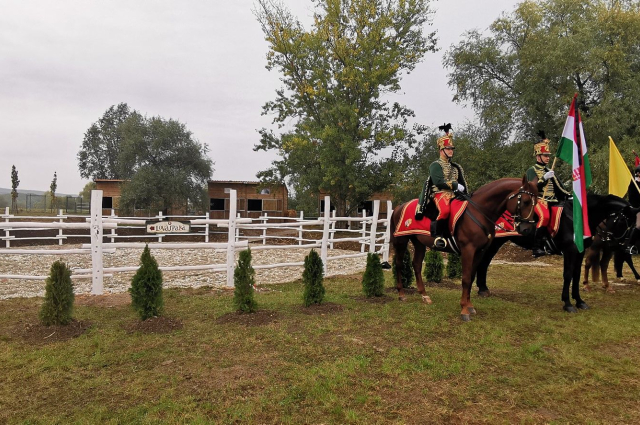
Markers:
point(629, 260)
point(570, 265)
point(470, 259)
point(575, 289)
point(418, 259)
point(400, 249)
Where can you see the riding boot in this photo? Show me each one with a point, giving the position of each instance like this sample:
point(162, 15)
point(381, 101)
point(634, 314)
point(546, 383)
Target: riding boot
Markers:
point(539, 242)
point(630, 246)
point(438, 229)
point(422, 202)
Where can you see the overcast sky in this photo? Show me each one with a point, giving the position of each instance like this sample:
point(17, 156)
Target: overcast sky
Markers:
point(202, 62)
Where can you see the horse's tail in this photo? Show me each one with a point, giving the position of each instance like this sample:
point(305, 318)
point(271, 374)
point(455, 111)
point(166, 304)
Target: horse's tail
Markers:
point(595, 266)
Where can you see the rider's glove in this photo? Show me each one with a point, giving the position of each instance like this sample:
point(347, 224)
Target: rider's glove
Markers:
point(549, 174)
point(460, 188)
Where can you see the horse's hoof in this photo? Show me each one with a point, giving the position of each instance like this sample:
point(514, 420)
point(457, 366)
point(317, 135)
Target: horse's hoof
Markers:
point(402, 299)
point(582, 305)
point(484, 294)
point(587, 288)
point(610, 291)
point(465, 317)
point(426, 299)
point(638, 281)
point(472, 310)
point(570, 309)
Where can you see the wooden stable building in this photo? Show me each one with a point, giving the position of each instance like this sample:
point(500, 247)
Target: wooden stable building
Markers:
point(252, 199)
point(111, 190)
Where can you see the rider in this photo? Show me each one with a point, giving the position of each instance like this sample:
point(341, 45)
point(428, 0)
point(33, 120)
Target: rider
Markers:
point(446, 177)
point(550, 189)
point(634, 200)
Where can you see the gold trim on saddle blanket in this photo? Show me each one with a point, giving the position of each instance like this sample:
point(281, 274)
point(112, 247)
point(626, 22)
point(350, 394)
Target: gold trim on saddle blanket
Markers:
point(407, 219)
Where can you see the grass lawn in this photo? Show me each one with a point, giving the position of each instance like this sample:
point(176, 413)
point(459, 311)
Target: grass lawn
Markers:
point(520, 360)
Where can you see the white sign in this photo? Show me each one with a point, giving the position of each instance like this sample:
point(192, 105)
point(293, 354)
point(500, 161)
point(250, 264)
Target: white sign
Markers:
point(167, 227)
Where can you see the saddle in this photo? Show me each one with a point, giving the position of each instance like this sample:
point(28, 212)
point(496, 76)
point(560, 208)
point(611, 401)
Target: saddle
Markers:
point(408, 225)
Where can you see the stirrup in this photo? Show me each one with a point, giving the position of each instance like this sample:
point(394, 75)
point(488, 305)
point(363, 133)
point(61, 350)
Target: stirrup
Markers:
point(440, 243)
point(631, 249)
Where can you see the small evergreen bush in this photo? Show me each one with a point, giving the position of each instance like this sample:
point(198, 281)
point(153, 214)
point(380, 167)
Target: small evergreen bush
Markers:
point(407, 275)
point(312, 277)
point(58, 296)
point(433, 266)
point(373, 277)
point(454, 266)
point(146, 287)
point(244, 281)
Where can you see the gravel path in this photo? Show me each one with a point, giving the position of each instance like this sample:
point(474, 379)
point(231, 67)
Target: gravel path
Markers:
point(39, 265)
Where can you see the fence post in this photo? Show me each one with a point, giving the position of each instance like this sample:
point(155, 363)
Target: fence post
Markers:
point(387, 234)
point(374, 226)
point(60, 230)
point(332, 232)
point(206, 229)
point(364, 230)
point(97, 274)
point(237, 229)
point(325, 232)
point(231, 237)
point(7, 241)
point(264, 231)
point(113, 231)
point(159, 219)
point(301, 227)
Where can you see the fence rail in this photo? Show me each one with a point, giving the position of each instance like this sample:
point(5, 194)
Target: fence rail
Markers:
point(240, 233)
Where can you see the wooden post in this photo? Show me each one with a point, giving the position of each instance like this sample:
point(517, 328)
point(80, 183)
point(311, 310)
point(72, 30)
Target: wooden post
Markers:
point(301, 227)
point(374, 226)
point(97, 275)
point(231, 237)
point(325, 232)
point(60, 230)
point(7, 241)
point(387, 234)
point(364, 229)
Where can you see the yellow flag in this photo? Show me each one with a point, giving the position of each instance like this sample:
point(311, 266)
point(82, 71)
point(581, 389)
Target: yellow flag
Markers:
point(619, 174)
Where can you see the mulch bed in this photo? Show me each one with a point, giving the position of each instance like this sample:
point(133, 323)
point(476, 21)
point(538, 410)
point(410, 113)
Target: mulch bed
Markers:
point(38, 334)
point(258, 318)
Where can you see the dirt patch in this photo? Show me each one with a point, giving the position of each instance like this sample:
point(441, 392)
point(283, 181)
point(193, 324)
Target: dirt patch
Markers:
point(155, 325)
point(322, 309)
point(38, 334)
point(513, 253)
point(107, 300)
point(258, 318)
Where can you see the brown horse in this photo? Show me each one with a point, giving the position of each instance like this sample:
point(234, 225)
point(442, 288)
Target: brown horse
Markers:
point(474, 232)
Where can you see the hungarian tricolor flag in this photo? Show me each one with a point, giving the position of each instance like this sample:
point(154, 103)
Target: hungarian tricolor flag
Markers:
point(573, 150)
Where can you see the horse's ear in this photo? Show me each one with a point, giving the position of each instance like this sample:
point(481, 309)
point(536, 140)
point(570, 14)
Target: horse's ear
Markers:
point(524, 180)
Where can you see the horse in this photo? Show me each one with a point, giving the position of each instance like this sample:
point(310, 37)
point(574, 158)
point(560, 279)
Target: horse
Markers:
point(599, 207)
point(609, 240)
point(473, 234)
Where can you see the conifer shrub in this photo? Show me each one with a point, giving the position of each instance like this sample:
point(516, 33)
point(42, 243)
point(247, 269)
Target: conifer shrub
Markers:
point(433, 266)
point(312, 278)
point(373, 277)
point(244, 280)
point(58, 296)
point(407, 270)
point(454, 266)
point(146, 287)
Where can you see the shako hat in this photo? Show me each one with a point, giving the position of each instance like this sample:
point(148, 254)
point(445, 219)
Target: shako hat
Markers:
point(542, 147)
point(446, 141)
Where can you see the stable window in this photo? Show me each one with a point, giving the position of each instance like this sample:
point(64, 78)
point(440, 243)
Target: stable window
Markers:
point(216, 204)
point(366, 206)
point(254, 204)
point(107, 202)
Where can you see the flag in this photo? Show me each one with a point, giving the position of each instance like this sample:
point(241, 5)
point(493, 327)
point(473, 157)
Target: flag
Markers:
point(619, 174)
point(573, 150)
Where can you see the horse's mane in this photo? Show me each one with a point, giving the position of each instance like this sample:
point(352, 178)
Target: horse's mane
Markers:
point(492, 184)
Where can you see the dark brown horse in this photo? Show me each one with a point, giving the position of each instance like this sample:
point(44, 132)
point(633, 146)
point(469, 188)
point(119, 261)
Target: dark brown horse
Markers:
point(474, 232)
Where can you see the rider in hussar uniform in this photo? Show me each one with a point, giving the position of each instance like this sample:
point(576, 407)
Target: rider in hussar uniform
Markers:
point(634, 200)
point(445, 179)
point(550, 189)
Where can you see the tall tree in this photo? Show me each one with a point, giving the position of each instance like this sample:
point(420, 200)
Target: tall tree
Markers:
point(335, 76)
point(98, 157)
point(15, 182)
point(52, 188)
point(522, 76)
point(164, 164)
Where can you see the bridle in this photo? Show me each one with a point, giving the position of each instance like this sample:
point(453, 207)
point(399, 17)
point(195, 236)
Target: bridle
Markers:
point(606, 230)
point(517, 217)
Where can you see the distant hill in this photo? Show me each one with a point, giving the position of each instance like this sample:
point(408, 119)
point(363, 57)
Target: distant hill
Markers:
point(21, 191)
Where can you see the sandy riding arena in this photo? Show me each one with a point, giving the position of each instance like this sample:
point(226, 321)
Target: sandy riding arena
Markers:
point(39, 265)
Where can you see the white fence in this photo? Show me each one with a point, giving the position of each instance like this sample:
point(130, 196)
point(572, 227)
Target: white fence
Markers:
point(373, 237)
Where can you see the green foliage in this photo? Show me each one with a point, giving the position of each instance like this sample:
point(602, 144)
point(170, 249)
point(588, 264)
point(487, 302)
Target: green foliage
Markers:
point(15, 182)
point(373, 277)
point(85, 194)
point(433, 266)
point(406, 274)
point(58, 296)
point(244, 281)
point(454, 266)
point(52, 189)
point(522, 76)
point(146, 287)
point(312, 278)
point(335, 77)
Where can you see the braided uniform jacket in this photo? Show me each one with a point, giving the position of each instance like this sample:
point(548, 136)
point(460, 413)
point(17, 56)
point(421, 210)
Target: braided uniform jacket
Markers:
point(554, 189)
point(445, 177)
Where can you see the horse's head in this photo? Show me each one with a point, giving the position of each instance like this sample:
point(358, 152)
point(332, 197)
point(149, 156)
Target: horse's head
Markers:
point(521, 204)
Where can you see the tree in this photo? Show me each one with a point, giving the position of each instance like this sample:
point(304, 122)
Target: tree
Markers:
point(15, 182)
point(146, 287)
point(85, 194)
point(454, 266)
point(433, 266)
point(165, 165)
point(521, 77)
point(57, 308)
point(244, 282)
point(52, 189)
point(312, 277)
point(335, 76)
point(98, 157)
point(406, 274)
point(373, 277)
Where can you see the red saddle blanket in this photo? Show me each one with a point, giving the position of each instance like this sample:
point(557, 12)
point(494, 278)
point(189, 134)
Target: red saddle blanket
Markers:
point(505, 225)
point(408, 225)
